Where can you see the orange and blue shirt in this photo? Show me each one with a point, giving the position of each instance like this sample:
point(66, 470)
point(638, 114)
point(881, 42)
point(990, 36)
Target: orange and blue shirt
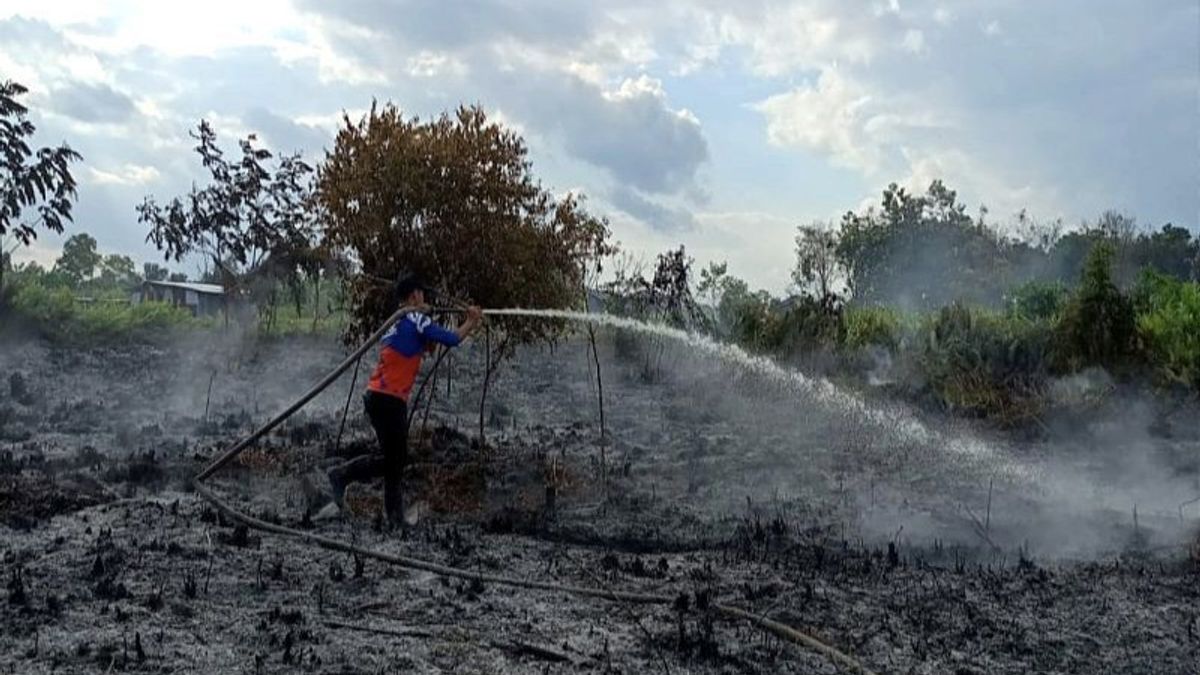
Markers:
point(401, 348)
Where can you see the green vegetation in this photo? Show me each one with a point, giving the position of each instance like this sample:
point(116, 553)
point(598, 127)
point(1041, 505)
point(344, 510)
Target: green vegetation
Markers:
point(1098, 326)
point(972, 321)
point(59, 306)
point(984, 362)
point(874, 325)
point(1168, 324)
point(54, 312)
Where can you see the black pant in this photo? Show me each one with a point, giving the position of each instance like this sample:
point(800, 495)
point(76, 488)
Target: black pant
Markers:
point(389, 417)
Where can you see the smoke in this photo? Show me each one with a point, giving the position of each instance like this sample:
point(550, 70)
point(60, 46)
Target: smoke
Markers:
point(719, 431)
point(750, 430)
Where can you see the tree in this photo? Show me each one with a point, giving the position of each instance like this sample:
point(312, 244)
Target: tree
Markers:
point(117, 271)
point(738, 313)
point(250, 222)
point(154, 272)
point(817, 264)
point(79, 258)
point(713, 280)
point(1171, 250)
point(1099, 325)
point(453, 199)
point(922, 251)
point(36, 187)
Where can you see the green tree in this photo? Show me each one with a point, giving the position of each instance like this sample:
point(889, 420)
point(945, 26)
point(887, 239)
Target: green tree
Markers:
point(713, 282)
point(117, 271)
point(1037, 300)
point(921, 251)
point(79, 259)
point(250, 223)
point(154, 272)
point(817, 266)
point(1098, 325)
point(1172, 251)
point(36, 186)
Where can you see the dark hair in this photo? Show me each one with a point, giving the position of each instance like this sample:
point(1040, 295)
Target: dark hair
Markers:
point(406, 285)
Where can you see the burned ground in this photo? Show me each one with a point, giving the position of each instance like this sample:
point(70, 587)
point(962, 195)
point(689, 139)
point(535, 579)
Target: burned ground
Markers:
point(712, 486)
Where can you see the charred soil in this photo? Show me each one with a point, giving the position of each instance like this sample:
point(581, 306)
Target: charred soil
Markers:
point(708, 487)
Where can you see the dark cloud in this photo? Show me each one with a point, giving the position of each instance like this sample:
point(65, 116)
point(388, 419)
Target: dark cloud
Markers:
point(632, 134)
point(657, 216)
point(94, 103)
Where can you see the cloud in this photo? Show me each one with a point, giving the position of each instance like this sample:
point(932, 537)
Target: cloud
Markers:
point(548, 66)
point(284, 135)
point(914, 41)
point(654, 214)
point(830, 117)
point(1053, 112)
point(128, 174)
point(93, 103)
point(782, 38)
point(433, 64)
point(629, 131)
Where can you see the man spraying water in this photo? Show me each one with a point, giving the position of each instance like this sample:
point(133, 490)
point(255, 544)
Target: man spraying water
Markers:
point(388, 391)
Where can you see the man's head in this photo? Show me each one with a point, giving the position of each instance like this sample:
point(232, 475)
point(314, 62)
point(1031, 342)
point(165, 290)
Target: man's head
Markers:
point(411, 289)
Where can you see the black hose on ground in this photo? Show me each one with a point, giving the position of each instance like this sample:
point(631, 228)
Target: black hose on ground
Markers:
point(774, 627)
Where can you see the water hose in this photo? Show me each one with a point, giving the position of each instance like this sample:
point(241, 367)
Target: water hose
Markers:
point(780, 630)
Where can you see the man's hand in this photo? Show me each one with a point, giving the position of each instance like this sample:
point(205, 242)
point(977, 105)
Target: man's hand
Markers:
point(470, 322)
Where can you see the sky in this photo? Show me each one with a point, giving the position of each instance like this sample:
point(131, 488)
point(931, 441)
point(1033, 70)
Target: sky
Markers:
point(718, 125)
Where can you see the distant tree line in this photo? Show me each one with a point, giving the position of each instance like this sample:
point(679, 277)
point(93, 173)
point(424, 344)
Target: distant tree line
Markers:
point(925, 251)
point(964, 315)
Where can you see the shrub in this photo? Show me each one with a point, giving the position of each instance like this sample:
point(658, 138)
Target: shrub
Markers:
point(802, 326)
point(1098, 325)
point(1168, 324)
point(749, 319)
point(1037, 300)
point(56, 314)
point(985, 363)
point(873, 325)
point(43, 305)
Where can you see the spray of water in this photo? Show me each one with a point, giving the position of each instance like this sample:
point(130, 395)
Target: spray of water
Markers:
point(962, 449)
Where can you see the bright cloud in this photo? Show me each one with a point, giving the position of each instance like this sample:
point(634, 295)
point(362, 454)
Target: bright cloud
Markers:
point(129, 174)
point(830, 117)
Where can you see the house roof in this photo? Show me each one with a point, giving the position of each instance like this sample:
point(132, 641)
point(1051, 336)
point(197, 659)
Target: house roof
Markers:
point(211, 289)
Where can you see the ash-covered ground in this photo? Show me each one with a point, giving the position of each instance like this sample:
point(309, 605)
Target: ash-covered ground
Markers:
point(914, 545)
